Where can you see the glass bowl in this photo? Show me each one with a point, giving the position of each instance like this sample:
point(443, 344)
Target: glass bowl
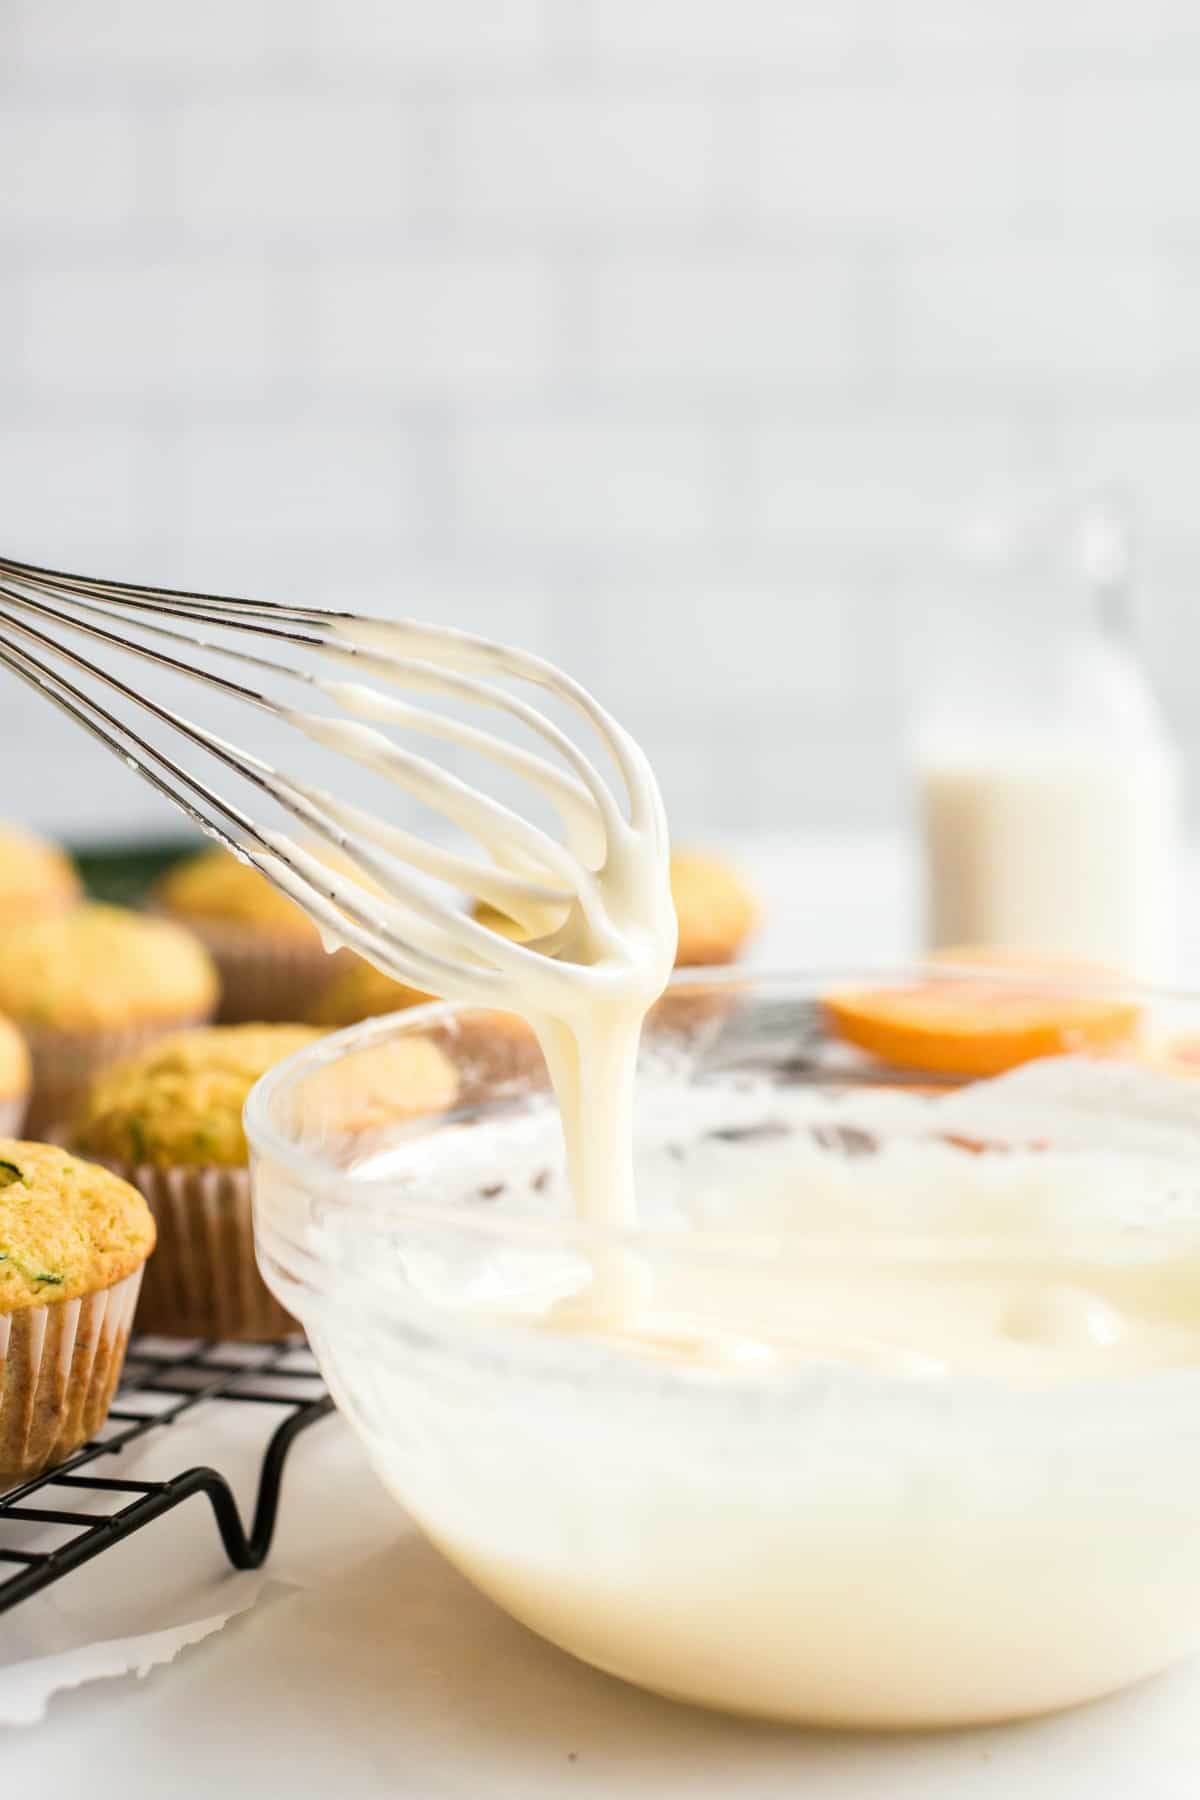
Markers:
point(960, 1496)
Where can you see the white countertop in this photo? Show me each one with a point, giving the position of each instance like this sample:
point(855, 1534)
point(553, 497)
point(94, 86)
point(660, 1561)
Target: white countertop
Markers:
point(401, 1681)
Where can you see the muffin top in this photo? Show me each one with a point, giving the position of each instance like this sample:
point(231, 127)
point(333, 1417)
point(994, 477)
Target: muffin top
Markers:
point(382, 1084)
point(716, 909)
point(218, 889)
point(362, 991)
point(36, 877)
point(66, 1227)
point(180, 1101)
point(99, 967)
point(14, 1062)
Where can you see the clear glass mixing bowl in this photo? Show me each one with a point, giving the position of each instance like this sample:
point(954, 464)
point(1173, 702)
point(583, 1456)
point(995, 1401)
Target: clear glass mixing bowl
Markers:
point(879, 1540)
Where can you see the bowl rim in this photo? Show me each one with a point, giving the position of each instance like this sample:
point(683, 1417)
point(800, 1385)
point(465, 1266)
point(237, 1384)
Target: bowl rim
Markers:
point(307, 1166)
point(500, 1342)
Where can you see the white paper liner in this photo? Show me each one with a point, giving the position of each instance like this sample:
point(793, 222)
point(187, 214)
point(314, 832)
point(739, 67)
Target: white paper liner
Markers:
point(203, 1279)
point(59, 1367)
point(64, 1063)
point(265, 979)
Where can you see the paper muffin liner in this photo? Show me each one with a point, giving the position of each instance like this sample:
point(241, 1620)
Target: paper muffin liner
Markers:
point(64, 1063)
point(59, 1368)
point(265, 979)
point(203, 1280)
point(13, 1108)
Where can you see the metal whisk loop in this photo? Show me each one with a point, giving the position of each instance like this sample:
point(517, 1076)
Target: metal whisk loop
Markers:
point(380, 903)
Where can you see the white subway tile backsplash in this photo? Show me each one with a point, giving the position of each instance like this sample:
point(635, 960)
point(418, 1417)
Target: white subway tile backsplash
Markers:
point(64, 36)
point(688, 766)
point(586, 482)
point(1180, 270)
point(587, 162)
point(714, 33)
point(902, 159)
point(671, 337)
point(147, 329)
point(1045, 315)
point(274, 165)
point(435, 323)
point(1129, 154)
point(71, 168)
point(1155, 453)
point(303, 483)
point(800, 776)
point(1030, 27)
point(68, 492)
point(747, 641)
point(447, 35)
point(895, 480)
point(79, 792)
point(744, 321)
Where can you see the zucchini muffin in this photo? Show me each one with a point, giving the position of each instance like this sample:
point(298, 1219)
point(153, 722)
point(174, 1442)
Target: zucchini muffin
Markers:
point(94, 984)
point(36, 877)
point(16, 1077)
point(268, 952)
point(73, 1242)
point(170, 1120)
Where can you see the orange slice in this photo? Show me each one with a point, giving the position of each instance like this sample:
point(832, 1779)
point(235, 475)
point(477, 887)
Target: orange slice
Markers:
point(975, 1027)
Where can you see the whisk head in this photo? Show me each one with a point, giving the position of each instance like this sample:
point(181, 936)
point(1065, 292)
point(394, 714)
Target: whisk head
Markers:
point(361, 688)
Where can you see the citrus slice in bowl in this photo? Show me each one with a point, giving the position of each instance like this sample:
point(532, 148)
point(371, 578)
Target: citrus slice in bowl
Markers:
point(988, 1012)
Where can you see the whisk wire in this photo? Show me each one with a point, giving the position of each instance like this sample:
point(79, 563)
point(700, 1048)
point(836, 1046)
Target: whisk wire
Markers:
point(376, 903)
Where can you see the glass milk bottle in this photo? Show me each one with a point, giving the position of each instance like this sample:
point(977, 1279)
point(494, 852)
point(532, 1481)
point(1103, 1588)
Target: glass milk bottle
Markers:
point(1048, 788)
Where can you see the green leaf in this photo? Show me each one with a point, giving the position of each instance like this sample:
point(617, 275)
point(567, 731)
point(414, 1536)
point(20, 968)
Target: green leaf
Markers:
point(49, 1280)
point(9, 1174)
point(122, 874)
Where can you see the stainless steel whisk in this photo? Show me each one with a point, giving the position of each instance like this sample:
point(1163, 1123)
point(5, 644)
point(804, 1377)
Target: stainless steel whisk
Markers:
point(374, 900)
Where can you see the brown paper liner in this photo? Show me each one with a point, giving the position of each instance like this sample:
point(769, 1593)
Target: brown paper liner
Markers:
point(12, 1114)
point(59, 1368)
point(265, 980)
point(64, 1063)
point(203, 1280)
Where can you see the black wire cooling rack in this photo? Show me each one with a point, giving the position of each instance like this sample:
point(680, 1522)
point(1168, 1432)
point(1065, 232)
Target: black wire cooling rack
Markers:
point(162, 1381)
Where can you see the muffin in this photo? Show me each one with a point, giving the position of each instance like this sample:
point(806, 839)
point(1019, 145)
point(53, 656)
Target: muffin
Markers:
point(491, 1050)
point(73, 1242)
point(365, 1092)
point(16, 1077)
point(36, 877)
point(268, 952)
point(93, 984)
point(169, 1119)
point(361, 991)
point(715, 907)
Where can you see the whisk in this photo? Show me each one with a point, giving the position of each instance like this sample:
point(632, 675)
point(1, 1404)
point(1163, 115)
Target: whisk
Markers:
point(393, 895)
